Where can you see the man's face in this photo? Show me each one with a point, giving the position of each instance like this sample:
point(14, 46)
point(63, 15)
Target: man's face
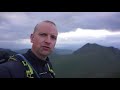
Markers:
point(44, 39)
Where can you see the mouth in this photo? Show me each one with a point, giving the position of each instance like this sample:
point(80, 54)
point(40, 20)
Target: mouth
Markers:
point(46, 48)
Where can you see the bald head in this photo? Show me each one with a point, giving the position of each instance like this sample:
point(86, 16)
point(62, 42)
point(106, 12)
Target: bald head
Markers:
point(44, 39)
point(42, 24)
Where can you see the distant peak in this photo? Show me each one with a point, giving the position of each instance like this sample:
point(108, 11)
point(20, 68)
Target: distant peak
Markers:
point(92, 45)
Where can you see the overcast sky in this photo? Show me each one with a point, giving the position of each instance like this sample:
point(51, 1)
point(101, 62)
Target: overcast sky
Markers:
point(75, 28)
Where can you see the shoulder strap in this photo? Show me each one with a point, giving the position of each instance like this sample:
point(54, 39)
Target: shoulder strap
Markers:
point(2, 61)
point(27, 64)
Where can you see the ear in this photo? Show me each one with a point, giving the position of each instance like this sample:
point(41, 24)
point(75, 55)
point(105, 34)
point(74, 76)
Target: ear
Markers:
point(31, 38)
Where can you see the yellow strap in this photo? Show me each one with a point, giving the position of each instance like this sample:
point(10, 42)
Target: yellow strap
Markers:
point(28, 72)
point(12, 58)
point(50, 69)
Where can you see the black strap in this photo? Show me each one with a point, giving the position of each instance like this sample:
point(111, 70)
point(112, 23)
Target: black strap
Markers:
point(24, 59)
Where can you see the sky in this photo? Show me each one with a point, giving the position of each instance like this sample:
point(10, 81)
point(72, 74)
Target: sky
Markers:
point(75, 28)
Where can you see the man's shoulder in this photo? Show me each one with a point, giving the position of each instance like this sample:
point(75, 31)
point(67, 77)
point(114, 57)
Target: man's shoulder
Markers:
point(14, 67)
point(10, 64)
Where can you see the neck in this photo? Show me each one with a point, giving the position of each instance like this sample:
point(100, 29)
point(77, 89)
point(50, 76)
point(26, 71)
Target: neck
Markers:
point(42, 57)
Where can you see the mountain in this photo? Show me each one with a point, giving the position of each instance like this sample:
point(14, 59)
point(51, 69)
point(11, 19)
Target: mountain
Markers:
point(5, 53)
point(10, 52)
point(89, 61)
point(21, 51)
point(62, 51)
point(98, 50)
point(56, 51)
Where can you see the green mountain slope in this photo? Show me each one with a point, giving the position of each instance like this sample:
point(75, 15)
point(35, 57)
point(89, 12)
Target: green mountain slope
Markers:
point(90, 61)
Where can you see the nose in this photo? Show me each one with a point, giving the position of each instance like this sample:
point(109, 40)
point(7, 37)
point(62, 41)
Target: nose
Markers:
point(48, 40)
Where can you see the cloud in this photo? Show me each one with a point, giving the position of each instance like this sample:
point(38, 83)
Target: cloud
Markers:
point(14, 18)
point(23, 41)
point(16, 44)
point(16, 27)
point(80, 37)
point(92, 20)
point(72, 40)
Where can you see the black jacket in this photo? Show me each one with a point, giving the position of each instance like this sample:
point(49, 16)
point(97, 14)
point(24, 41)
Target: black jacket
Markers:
point(15, 69)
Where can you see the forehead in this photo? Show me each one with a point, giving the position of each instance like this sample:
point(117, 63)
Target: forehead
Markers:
point(46, 28)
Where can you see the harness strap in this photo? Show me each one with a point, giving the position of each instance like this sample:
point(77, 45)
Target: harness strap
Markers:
point(31, 70)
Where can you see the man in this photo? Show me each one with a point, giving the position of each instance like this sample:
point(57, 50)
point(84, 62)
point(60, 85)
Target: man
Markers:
point(43, 41)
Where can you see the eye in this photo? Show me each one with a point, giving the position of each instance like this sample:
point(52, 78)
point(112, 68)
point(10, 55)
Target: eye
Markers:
point(53, 37)
point(42, 34)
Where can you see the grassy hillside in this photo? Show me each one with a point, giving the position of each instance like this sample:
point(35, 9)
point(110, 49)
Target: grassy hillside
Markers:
point(95, 62)
point(89, 61)
point(6, 52)
point(78, 66)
